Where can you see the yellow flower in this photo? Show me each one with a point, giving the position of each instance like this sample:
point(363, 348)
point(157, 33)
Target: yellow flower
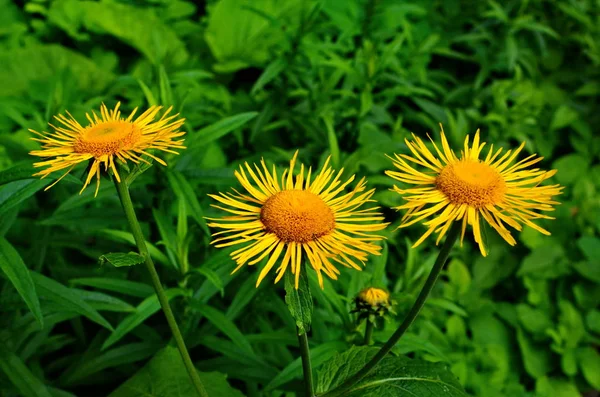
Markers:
point(374, 296)
point(301, 217)
point(468, 189)
point(105, 139)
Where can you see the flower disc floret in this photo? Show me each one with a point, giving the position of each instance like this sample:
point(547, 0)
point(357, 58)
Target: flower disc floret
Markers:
point(297, 216)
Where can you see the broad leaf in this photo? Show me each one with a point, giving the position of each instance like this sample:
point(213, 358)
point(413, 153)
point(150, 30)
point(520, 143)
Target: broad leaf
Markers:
point(165, 376)
point(393, 376)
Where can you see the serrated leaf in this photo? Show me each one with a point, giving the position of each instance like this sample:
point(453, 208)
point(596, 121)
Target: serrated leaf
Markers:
point(13, 267)
point(120, 259)
point(299, 301)
point(165, 376)
point(393, 376)
point(66, 298)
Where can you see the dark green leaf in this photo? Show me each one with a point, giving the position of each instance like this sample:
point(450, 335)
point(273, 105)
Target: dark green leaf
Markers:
point(148, 307)
point(13, 267)
point(126, 287)
point(219, 320)
point(66, 298)
point(21, 377)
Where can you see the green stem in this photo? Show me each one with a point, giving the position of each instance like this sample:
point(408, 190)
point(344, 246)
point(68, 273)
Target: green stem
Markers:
point(368, 332)
point(125, 198)
point(306, 366)
point(453, 234)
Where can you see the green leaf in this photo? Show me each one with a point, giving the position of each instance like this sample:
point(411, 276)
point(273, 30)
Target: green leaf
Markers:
point(225, 325)
point(563, 117)
point(393, 376)
point(13, 267)
point(569, 168)
point(148, 307)
point(184, 190)
point(537, 360)
point(126, 287)
point(241, 33)
point(220, 129)
point(121, 355)
point(271, 72)
point(120, 235)
point(67, 299)
point(120, 259)
point(299, 301)
point(534, 320)
point(589, 362)
point(553, 387)
point(24, 69)
point(148, 34)
point(590, 246)
point(21, 377)
point(14, 193)
point(332, 139)
point(165, 376)
point(543, 262)
point(214, 278)
point(588, 269)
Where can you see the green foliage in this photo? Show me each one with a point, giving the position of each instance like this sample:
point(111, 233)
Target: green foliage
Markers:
point(262, 79)
point(165, 376)
point(391, 377)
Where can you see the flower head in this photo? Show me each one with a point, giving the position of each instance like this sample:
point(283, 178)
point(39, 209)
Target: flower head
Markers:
point(298, 216)
point(467, 189)
point(105, 139)
point(372, 303)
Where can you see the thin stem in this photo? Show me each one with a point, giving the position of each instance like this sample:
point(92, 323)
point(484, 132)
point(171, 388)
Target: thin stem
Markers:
point(410, 317)
point(306, 366)
point(125, 198)
point(368, 332)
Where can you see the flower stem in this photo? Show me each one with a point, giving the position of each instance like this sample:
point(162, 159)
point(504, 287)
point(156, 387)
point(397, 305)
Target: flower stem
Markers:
point(306, 366)
point(410, 317)
point(125, 198)
point(368, 332)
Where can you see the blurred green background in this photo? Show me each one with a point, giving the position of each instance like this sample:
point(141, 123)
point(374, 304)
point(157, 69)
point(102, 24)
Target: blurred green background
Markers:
point(262, 78)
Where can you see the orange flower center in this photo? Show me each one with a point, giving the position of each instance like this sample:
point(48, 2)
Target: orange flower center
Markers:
point(107, 138)
point(471, 182)
point(297, 216)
